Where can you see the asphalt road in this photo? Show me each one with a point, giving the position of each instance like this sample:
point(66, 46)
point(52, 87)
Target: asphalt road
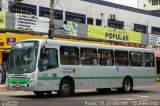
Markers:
point(141, 96)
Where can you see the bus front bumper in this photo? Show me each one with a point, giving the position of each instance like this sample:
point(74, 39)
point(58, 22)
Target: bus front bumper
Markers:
point(21, 87)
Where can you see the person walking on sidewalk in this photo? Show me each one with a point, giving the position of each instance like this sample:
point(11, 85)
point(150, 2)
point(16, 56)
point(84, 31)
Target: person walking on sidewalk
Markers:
point(4, 67)
point(1, 74)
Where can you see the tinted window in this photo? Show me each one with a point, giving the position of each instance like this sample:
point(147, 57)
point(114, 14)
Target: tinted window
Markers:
point(106, 57)
point(148, 59)
point(88, 56)
point(135, 59)
point(69, 55)
point(121, 58)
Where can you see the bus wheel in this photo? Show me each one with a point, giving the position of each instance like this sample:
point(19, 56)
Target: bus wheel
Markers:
point(127, 85)
point(103, 90)
point(39, 93)
point(65, 88)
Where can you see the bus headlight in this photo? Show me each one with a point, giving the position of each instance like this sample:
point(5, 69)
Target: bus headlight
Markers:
point(31, 78)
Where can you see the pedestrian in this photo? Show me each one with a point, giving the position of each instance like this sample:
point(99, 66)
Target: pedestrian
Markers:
point(4, 67)
point(1, 73)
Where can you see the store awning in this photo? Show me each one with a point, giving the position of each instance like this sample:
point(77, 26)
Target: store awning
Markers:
point(156, 52)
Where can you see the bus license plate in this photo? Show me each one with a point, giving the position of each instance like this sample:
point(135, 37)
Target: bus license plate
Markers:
point(17, 86)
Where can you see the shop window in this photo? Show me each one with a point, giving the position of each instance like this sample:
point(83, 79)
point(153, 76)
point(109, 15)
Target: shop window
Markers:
point(140, 28)
point(115, 24)
point(156, 30)
point(98, 22)
point(88, 56)
point(106, 57)
point(148, 60)
point(135, 59)
point(22, 8)
point(45, 12)
point(90, 21)
point(76, 17)
point(121, 58)
point(69, 55)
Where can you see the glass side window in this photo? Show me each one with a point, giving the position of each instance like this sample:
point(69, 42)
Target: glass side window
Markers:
point(69, 55)
point(106, 57)
point(48, 59)
point(121, 58)
point(148, 60)
point(88, 56)
point(135, 59)
point(155, 2)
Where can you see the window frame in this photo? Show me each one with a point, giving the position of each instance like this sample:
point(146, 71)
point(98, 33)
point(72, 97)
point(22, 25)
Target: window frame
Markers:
point(40, 65)
point(81, 57)
point(89, 20)
point(130, 59)
point(98, 22)
point(112, 57)
point(155, 2)
point(152, 60)
point(127, 62)
point(78, 56)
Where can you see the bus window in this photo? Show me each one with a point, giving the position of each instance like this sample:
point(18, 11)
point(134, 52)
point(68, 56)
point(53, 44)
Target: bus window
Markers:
point(52, 58)
point(121, 58)
point(69, 55)
point(49, 59)
point(88, 56)
point(106, 57)
point(135, 59)
point(148, 60)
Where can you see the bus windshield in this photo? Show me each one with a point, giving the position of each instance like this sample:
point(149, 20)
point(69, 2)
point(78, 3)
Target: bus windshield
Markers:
point(23, 57)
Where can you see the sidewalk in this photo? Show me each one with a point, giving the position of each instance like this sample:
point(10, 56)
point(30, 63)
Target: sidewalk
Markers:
point(2, 87)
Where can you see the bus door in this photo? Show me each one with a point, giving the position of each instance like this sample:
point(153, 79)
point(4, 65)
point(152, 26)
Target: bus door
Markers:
point(48, 64)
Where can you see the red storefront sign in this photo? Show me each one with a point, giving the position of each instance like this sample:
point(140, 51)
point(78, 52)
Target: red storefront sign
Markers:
point(1, 43)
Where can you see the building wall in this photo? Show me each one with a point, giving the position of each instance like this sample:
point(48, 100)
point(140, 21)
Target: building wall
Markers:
point(97, 11)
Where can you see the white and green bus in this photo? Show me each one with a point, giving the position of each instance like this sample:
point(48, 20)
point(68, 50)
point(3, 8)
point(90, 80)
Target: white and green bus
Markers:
point(46, 65)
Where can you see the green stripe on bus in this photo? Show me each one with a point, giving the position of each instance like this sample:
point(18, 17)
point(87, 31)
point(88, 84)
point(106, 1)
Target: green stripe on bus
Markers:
point(102, 77)
point(18, 81)
point(49, 78)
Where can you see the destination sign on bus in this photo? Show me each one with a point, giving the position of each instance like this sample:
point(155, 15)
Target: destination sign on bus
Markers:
point(25, 44)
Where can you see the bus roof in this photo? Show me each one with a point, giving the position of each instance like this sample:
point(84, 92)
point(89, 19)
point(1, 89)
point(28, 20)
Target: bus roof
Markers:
point(89, 45)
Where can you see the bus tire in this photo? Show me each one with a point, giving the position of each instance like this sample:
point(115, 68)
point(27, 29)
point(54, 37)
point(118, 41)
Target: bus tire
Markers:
point(39, 93)
point(66, 88)
point(127, 85)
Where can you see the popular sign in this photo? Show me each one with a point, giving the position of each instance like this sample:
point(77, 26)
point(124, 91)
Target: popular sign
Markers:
point(113, 34)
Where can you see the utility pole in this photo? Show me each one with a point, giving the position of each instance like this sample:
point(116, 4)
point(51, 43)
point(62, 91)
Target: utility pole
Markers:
point(51, 24)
